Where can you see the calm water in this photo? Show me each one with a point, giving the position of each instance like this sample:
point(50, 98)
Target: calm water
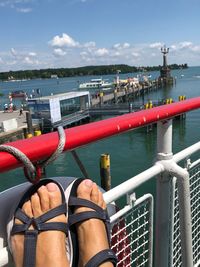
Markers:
point(130, 153)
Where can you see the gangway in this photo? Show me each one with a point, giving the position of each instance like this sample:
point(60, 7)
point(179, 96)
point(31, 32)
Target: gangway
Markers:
point(173, 238)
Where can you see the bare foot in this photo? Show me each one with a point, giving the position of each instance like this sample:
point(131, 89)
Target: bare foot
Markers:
point(51, 245)
point(92, 236)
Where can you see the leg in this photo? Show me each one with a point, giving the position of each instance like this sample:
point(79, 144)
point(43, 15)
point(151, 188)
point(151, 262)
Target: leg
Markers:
point(92, 236)
point(51, 245)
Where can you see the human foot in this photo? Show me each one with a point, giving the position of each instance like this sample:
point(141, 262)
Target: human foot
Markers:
point(51, 245)
point(92, 234)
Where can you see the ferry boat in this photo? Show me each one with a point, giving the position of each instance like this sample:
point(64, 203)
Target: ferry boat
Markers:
point(172, 240)
point(96, 84)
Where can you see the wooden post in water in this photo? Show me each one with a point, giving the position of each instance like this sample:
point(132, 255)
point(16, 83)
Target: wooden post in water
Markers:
point(101, 98)
point(115, 96)
point(29, 125)
point(105, 172)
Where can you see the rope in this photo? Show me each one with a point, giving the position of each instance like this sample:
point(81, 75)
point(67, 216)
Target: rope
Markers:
point(31, 171)
point(59, 149)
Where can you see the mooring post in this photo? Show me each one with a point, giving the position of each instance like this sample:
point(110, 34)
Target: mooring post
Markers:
point(29, 125)
point(101, 98)
point(115, 96)
point(105, 172)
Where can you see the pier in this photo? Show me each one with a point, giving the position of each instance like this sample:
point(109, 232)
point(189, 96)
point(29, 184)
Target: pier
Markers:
point(74, 108)
point(13, 126)
point(123, 93)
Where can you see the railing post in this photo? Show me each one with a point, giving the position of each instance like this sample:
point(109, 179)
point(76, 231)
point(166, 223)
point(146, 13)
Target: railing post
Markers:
point(163, 196)
point(164, 201)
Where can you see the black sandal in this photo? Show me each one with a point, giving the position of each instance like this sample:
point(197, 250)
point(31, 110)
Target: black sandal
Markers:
point(96, 212)
point(39, 223)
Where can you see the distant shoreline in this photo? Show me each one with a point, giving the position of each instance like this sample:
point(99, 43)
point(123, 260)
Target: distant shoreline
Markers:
point(80, 71)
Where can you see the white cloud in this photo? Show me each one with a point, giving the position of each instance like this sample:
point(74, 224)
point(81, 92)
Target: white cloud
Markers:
point(135, 54)
point(89, 44)
point(117, 54)
point(32, 54)
point(59, 52)
point(119, 46)
point(28, 60)
point(13, 52)
point(81, 54)
point(126, 45)
point(185, 44)
point(182, 45)
point(156, 45)
point(64, 41)
point(22, 6)
point(195, 48)
point(116, 46)
point(101, 52)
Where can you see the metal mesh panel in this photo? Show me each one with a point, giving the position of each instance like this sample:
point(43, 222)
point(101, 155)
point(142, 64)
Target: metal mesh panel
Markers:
point(195, 209)
point(132, 235)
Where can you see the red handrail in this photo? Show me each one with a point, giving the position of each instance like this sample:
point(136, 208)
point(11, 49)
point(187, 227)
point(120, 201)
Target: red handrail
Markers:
point(41, 147)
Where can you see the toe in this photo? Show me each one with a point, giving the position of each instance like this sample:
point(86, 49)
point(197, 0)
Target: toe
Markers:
point(44, 198)
point(95, 193)
point(55, 197)
point(36, 207)
point(101, 201)
point(26, 208)
point(84, 189)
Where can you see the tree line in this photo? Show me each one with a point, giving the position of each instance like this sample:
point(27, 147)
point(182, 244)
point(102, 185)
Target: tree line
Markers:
point(80, 71)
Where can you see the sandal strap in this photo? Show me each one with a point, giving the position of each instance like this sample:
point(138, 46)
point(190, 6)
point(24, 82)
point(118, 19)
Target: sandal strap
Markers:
point(40, 224)
point(74, 201)
point(96, 212)
point(86, 215)
point(30, 241)
point(101, 257)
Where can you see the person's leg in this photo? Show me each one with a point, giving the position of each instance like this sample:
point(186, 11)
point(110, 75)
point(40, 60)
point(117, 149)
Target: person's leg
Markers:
point(92, 236)
point(51, 245)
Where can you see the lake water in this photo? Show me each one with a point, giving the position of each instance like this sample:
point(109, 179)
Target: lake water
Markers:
point(131, 152)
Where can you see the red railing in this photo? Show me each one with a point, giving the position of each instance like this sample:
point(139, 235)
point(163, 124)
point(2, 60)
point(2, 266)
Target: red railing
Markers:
point(41, 147)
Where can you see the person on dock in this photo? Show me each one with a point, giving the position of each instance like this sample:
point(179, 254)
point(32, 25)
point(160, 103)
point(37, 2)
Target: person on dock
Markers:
point(21, 111)
point(50, 246)
point(5, 107)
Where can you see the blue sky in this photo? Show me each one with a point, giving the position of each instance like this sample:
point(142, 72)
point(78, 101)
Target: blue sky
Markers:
point(38, 34)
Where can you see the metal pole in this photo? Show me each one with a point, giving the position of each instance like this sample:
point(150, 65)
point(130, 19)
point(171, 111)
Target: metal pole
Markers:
point(163, 197)
point(164, 200)
point(184, 214)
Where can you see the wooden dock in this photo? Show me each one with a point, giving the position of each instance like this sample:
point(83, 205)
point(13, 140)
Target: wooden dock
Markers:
point(122, 94)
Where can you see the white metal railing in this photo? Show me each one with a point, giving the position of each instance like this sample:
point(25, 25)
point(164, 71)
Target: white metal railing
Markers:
point(132, 233)
point(177, 203)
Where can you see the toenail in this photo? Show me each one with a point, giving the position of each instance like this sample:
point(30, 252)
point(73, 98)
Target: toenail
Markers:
point(88, 183)
point(42, 187)
point(52, 187)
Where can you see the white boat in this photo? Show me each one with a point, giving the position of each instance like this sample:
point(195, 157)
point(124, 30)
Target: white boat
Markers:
point(95, 84)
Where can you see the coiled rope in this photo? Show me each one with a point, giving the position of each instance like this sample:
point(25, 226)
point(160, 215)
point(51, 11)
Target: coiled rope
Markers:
point(32, 171)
